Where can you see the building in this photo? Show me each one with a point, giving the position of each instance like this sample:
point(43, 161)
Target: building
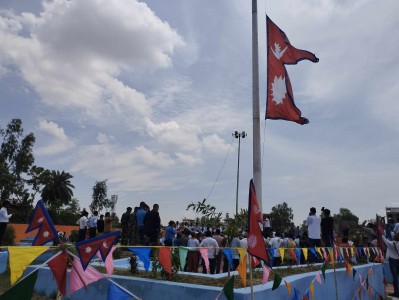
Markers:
point(392, 213)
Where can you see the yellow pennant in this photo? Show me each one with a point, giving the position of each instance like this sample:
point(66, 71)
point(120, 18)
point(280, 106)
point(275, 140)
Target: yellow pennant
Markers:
point(243, 254)
point(288, 285)
point(319, 251)
point(332, 258)
point(242, 271)
point(21, 257)
point(282, 252)
point(352, 251)
point(311, 290)
point(348, 268)
point(370, 273)
point(305, 253)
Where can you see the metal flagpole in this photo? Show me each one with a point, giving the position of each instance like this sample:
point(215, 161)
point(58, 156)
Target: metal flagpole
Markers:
point(257, 167)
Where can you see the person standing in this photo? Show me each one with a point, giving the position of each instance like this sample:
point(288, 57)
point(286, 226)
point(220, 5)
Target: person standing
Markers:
point(313, 222)
point(100, 224)
point(218, 258)
point(327, 229)
point(140, 221)
point(108, 222)
point(266, 227)
point(193, 253)
point(213, 250)
point(133, 227)
point(125, 220)
point(93, 225)
point(4, 219)
point(393, 256)
point(82, 222)
point(152, 225)
point(170, 233)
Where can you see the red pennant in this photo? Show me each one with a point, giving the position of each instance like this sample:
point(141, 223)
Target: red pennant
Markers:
point(58, 266)
point(280, 98)
point(87, 249)
point(165, 259)
point(256, 244)
point(293, 254)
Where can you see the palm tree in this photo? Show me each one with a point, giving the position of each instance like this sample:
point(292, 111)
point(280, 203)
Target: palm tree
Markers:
point(57, 189)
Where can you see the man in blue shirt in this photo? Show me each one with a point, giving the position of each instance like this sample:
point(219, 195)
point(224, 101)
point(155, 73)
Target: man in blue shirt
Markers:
point(140, 221)
point(170, 233)
point(93, 225)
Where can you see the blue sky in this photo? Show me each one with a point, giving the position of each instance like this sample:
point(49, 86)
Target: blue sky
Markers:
point(147, 95)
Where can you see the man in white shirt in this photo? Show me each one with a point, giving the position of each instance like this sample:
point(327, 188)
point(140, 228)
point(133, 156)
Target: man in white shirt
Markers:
point(213, 250)
point(83, 222)
point(93, 225)
point(275, 243)
point(313, 222)
point(4, 219)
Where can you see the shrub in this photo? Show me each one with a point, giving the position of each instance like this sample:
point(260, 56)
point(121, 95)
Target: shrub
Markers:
point(9, 236)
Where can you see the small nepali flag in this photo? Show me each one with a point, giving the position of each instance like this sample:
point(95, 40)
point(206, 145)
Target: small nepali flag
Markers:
point(256, 244)
point(41, 219)
point(280, 98)
point(87, 249)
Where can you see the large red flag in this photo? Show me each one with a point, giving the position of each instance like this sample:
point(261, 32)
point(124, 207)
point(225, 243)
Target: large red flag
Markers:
point(58, 266)
point(280, 98)
point(41, 219)
point(256, 244)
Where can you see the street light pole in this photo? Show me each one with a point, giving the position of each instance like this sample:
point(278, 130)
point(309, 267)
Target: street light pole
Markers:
point(238, 135)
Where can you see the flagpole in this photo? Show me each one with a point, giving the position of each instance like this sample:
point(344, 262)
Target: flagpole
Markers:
point(257, 169)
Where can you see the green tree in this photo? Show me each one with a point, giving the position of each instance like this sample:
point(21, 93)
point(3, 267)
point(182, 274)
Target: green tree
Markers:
point(100, 197)
point(345, 221)
point(67, 214)
point(282, 218)
point(16, 160)
point(208, 212)
point(57, 189)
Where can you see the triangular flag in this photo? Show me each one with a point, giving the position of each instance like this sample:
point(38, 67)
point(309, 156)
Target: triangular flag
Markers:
point(318, 278)
point(371, 273)
point(332, 258)
point(293, 254)
point(243, 254)
point(298, 254)
point(143, 253)
point(227, 253)
point(311, 290)
point(348, 268)
point(280, 98)
point(116, 293)
point(87, 249)
point(228, 289)
point(318, 249)
point(323, 271)
point(80, 278)
point(256, 243)
point(204, 254)
point(109, 261)
point(313, 251)
point(276, 282)
point(41, 220)
point(266, 273)
point(353, 273)
point(324, 254)
point(288, 286)
point(21, 257)
point(306, 296)
point(58, 266)
point(183, 251)
point(282, 252)
point(296, 294)
point(23, 290)
point(305, 253)
point(242, 271)
point(165, 259)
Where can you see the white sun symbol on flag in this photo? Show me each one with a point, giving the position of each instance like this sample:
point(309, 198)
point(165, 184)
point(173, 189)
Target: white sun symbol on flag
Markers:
point(88, 249)
point(46, 234)
point(251, 241)
point(105, 245)
point(278, 89)
point(40, 220)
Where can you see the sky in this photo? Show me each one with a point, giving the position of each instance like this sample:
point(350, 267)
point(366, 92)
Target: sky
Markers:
point(146, 95)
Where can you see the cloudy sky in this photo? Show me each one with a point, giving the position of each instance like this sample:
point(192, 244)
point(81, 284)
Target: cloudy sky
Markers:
point(147, 95)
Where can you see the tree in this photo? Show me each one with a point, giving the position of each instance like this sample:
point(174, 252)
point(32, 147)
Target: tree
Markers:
point(100, 198)
point(209, 214)
point(282, 218)
point(67, 214)
point(57, 189)
point(344, 221)
point(16, 160)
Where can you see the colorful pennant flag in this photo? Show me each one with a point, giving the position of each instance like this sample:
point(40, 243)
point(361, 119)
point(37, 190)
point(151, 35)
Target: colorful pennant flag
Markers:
point(80, 278)
point(353, 273)
point(305, 253)
point(41, 220)
point(165, 259)
point(280, 98)
point(242, 271)
point(228, 289)
point(282, 252)
point(256, 244)
point(227, 253)
point(288, 286)
point(266, 274)
point(183, 251)
point(204, 255)
point(58, 265)
point(323, 271)
point(21, 257)
point(23, 290)
point(144, 255)
point(276, 282)
point(116, 293)
point(296, 294)
point(311, 290)
point(87, 249)
point(318, 278)
point(109, 261)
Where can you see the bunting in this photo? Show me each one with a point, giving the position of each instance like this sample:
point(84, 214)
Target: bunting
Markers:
point(116, 293)
point(183, 251)
point(266, 274)
point(204, 255)
point(109, 262)
point(21, 257)
point(288, 286)
point(80, 278)
point(227, 253)
point(311, 290)
point(144, 255)
point(165, 259)
point(87, 249)
point(280, 52)
point(318, 278)
point(228, 289)
point(242, 271)
point(58, 266)
point(256, 244)
point(276, 282)
point(41, 220)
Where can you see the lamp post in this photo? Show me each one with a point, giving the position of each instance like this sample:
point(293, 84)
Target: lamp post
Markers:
point(238, 135)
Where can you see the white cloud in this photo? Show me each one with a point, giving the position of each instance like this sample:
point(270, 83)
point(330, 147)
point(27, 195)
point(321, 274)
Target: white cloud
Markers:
point(58, 141)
